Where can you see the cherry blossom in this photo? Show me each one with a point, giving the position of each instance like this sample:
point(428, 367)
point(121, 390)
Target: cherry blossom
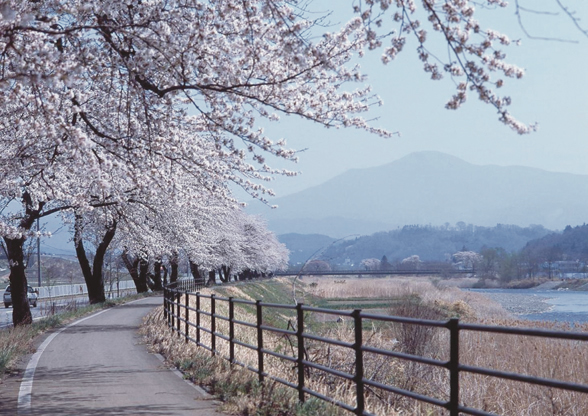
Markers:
point(467, 259)
point(120, 106)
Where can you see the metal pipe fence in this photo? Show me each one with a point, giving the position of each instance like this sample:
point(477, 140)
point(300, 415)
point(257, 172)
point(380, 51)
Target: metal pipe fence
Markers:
point(408, 272)
point(183, 304)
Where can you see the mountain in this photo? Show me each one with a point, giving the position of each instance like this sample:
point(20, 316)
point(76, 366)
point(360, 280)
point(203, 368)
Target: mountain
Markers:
point(431, 188)
point(305, 246)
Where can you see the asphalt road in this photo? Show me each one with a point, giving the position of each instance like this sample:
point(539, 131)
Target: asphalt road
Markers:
point(99, 366)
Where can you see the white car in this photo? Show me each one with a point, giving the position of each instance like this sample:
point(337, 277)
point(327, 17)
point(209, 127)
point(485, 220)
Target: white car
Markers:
point(31, 295)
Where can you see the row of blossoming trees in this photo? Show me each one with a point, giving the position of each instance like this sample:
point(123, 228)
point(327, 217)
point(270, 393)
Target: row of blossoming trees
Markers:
point(223, 241)
point(131, 118)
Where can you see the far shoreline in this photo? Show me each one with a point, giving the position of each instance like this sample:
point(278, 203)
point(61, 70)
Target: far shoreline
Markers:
point(535, 283)
point(519, 304)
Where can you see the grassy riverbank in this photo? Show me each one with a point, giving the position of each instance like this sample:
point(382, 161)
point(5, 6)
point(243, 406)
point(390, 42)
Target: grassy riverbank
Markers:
point(414, 297)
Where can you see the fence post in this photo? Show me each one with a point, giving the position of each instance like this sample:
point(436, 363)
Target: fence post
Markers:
point(169, 308)
point(187, 316)
point(360, 401)
point(453, 366)
point(231, 330)
point(300, 359)
point(172, 298)
point(165, 303)
point(198, 318)
point(212, 325)
point(259, 340)
point(178, 316)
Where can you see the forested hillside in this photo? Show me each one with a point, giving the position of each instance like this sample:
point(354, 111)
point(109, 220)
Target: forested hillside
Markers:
point(304, 246)
point(571, 244)
point(430, 243)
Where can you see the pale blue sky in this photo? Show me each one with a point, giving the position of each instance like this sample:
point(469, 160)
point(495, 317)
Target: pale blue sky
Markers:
point(554, 93)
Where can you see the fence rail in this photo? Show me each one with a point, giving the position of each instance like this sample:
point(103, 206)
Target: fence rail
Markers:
point(186, 320)
point(424, 272)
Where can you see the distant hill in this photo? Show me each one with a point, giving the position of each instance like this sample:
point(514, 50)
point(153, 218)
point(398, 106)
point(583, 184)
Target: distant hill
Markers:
point(431, 188)
point(571, 244)
point(60, 242)
point(430, 243)
point(304, 246)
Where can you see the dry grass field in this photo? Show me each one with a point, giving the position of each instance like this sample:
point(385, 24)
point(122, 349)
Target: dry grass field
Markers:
point(413, 297)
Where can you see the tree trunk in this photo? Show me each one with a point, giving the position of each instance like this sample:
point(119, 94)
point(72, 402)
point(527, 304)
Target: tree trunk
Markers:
point(245, 275)
point(143, 274)
point(221, 276)
point(164, 275)
point(94, 294)
point(21, 311)
point(133, 268)
point(157, 276)
point(211, 278)
point(93, 275)
point(225, 274)
point(98, 278)
point(196, 273)
point(173, 261)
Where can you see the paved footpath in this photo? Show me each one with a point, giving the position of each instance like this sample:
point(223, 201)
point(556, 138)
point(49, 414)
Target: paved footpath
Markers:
point(99, 366)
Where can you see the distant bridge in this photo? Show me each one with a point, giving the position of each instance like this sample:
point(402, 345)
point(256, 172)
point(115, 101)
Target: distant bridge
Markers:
point(428, 272)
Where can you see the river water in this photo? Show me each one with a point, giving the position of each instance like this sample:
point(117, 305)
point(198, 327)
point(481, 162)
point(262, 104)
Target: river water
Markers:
point(542, 305)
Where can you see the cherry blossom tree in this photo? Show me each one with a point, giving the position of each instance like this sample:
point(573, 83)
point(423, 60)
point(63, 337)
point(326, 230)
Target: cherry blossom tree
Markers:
point(370, 264)
point(112, 103)
point(316, 266)
point(102, 231)
point(242, 245)
point(214, 234)
point(262, 251)
point(168, 228)
point(467, 259)
point(412, 262)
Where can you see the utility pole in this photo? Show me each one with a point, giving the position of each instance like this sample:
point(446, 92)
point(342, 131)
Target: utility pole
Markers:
point(38, 255)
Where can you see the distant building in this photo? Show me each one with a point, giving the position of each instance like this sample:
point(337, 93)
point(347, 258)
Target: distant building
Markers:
point(565, 269)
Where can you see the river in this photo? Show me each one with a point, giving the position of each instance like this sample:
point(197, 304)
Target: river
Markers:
point(542, 305)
